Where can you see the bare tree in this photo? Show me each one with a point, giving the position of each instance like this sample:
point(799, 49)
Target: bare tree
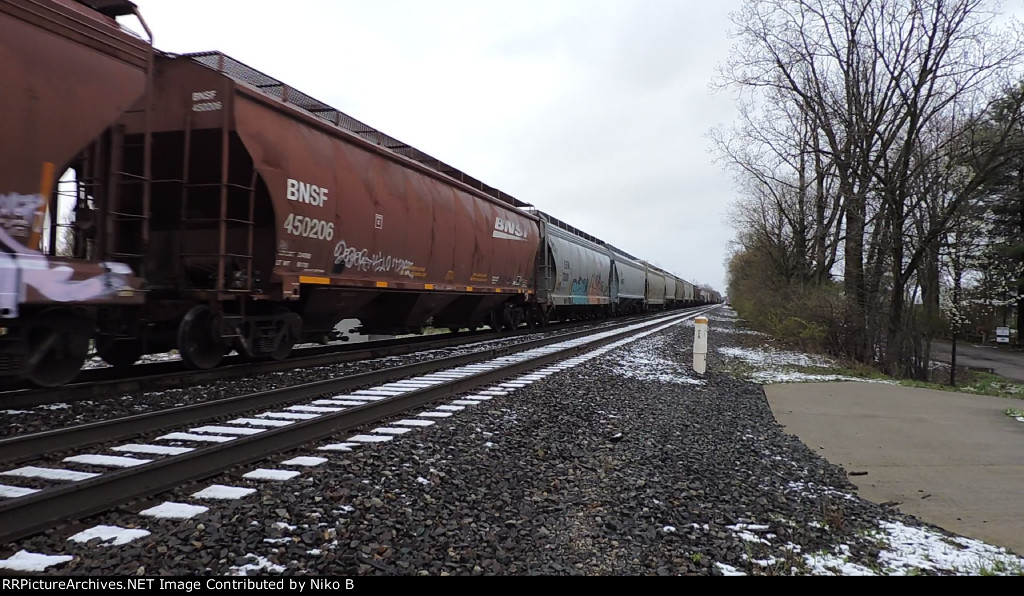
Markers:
point(889, 90)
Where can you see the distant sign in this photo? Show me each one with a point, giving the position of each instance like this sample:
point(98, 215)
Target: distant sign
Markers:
point(1003, 331)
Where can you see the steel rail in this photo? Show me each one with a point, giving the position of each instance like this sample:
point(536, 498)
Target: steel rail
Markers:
point(24, 447)
point(107, 382)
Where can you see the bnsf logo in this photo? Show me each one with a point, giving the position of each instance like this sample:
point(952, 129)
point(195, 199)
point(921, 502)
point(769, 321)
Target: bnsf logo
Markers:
point(508, 230)
point(307, 193)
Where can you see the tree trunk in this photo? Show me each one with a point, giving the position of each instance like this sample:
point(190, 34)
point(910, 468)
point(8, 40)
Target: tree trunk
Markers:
point(856, 323)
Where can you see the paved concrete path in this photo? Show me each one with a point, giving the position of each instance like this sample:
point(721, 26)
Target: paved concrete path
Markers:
point(953, 460)
point(1006, 363)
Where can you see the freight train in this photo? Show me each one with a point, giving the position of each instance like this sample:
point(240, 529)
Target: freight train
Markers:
point(217, 209)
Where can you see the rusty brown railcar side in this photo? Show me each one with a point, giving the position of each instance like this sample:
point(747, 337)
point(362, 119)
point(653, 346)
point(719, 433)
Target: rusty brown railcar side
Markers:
point(259, 202)
point(68, 72)
point(392, 223)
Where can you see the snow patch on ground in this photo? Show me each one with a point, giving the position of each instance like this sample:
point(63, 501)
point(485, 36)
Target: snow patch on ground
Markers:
point(306, 462)
point(775, 377)
point(152, 449)
point(26, 561)
point(720, 319)
point(917, 548)
point(769, 357)
point(274, 475)
point(735, 331)
point(642, 361)
point(54, 407)
point(49, 474)
point(109, 535)
point(174, 511)
point(905, 550)
point(776, 367)
point(223, 493)
point(728, 570)
point(836, 564)
point(260, 564)
point(107, 461)
point(14, 492)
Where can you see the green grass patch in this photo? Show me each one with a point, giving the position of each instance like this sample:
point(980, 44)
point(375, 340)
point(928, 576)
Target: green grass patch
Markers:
point(816, 370)
point(976, 383)
point(845, 369)
point(996, 567)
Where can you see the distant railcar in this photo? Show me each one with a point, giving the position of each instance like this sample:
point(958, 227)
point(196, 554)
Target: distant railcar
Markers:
point(628, 283)
point(680, 296)
point(572, 274)
point(689, 294)
point(656, 285)
point(670, 290)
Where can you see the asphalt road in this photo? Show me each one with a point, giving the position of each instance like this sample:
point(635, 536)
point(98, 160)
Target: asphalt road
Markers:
point(1004, 362)
point(951, 459)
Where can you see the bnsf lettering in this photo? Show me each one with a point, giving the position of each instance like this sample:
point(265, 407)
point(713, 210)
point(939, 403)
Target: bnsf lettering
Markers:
point(307, 193)
point(202, 101)
point(209, 106)
point(509, 230)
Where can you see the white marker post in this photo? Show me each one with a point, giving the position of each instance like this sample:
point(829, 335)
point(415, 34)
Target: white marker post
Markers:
point(700, 345)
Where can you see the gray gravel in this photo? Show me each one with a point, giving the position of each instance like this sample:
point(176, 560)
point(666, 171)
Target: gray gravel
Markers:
point(610, 468)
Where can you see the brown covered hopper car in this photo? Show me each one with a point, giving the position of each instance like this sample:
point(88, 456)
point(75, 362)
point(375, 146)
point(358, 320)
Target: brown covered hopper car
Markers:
point(68, 72)
point(274, 216)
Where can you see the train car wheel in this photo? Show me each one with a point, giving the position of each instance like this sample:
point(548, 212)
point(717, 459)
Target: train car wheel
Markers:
point(283, 350)
point(518, 317)
point(508, 319)
point(494, 321)
point(119, 353)
point(289, 330)
point(198, 339)
point(245, 342)
point(58, 346)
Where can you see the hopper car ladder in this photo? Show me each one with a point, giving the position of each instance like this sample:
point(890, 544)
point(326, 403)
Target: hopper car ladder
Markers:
point(129, 201)
point(112, 201)
point(236, 204)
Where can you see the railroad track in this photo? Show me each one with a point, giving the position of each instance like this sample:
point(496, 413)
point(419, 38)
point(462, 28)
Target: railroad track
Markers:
point(106, 382)
point(198, 453)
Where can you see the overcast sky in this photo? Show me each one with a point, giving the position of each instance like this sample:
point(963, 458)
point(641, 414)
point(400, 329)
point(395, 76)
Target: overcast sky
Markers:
point(595, 111)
